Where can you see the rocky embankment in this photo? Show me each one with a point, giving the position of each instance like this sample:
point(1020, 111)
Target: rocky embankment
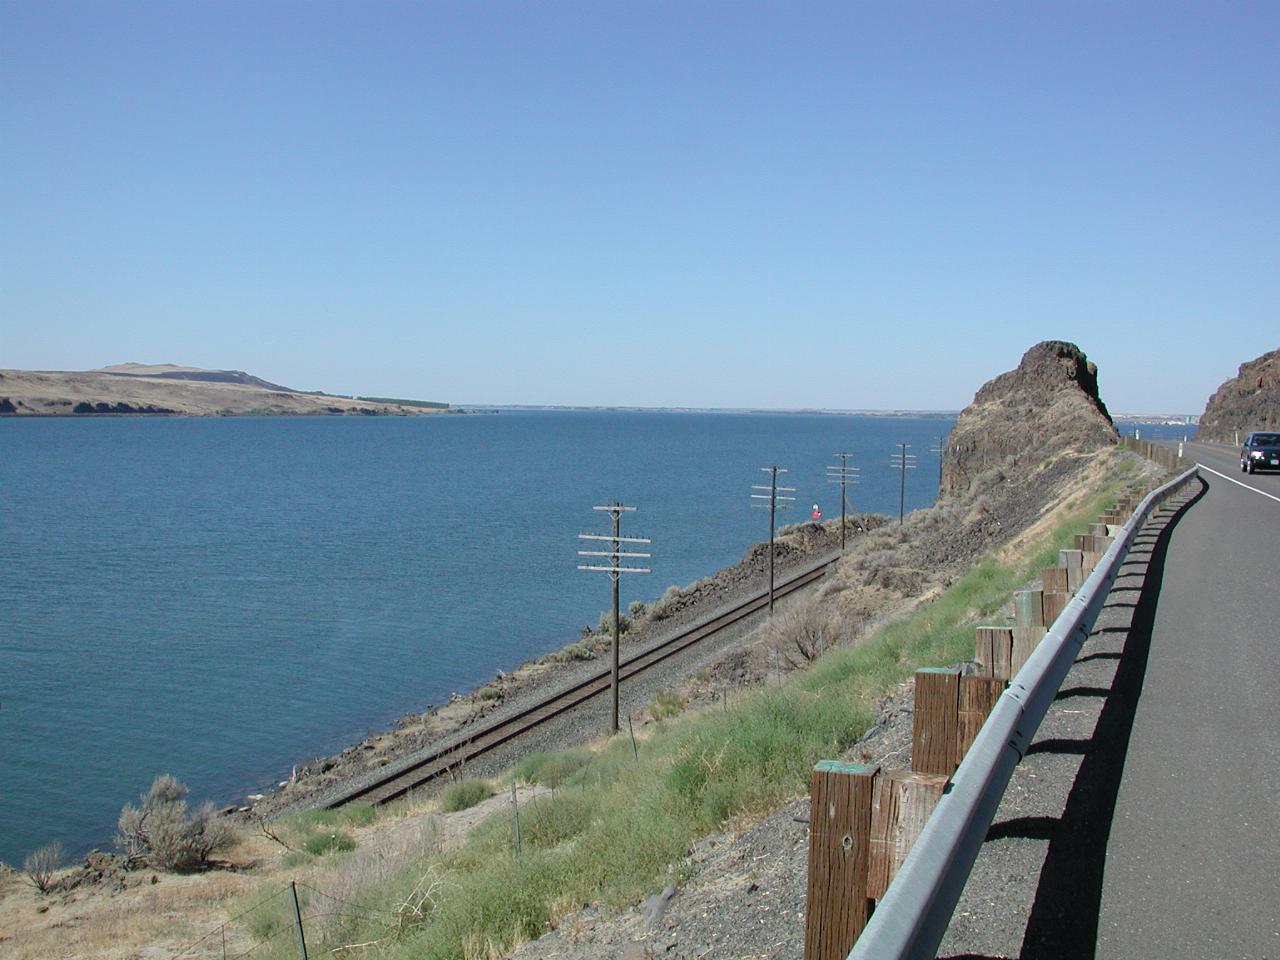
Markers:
point(1048, 405)
point(1248, 401)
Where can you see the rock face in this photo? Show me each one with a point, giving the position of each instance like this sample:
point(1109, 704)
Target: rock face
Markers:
point(1046, 406)
point(1248, 401)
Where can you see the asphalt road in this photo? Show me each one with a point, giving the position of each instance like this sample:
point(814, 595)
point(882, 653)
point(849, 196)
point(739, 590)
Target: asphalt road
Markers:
point(1192, 865)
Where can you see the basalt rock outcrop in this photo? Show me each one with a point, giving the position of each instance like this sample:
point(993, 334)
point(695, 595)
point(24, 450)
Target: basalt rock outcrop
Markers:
point(1248, 401)
point(1048, 405)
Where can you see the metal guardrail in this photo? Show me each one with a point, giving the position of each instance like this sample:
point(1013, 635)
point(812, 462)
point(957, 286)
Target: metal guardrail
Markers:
point(911, 919)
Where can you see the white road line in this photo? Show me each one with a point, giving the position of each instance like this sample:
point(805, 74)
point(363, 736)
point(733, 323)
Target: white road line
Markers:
point(1238, 483)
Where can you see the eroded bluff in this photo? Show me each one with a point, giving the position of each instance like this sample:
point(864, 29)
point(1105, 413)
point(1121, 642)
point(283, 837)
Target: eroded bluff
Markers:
point(1048, 405)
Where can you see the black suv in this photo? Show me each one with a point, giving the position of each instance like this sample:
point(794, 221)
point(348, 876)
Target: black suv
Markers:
point(1261, 451)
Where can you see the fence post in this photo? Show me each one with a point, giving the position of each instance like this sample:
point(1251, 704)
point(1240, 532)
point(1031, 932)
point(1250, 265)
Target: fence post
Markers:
point(1025, 640)
point(839, 856)
point(297, 919)
point(1073, 562)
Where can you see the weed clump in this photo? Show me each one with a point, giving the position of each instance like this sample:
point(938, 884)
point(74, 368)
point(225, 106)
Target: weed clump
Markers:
point(666, 704)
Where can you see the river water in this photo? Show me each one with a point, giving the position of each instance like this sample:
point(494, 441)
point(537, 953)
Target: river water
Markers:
point(222, 598)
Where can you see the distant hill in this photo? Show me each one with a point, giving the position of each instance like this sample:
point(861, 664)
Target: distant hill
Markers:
point(168, 389)
point(1248, 401)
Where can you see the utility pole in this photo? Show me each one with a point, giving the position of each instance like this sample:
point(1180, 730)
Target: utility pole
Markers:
point(939, 448)
point(773, 496)
point(842, 474)
point(615, 556)
point(903, 461)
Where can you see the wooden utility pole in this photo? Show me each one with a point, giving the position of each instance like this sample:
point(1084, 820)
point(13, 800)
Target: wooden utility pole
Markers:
point(842, 474)
point(903, 462)
point(615, 556)
point(773, 496)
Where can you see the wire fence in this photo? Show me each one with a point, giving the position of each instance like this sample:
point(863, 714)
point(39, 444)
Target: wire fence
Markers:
point(343, 909)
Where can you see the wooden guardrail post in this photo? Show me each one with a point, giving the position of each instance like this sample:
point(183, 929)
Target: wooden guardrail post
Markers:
point(1028, 608)
point(1025, 640)
point(993, 651)
point(1073, 562)
point(978, 695)
point(839, 858)
point(935, 725)
point(901, 802)
point(949, 712)
point(1055, 580)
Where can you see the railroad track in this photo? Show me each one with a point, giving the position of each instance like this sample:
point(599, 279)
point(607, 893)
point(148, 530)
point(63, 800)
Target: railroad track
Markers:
point(424, 769)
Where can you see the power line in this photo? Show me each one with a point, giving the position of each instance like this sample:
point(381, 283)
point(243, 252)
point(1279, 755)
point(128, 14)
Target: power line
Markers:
point(902, 461)
point(773, 496)
point(615, 557)
point(843, 475)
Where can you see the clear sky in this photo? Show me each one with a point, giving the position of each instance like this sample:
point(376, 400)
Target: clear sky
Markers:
point(849, 205)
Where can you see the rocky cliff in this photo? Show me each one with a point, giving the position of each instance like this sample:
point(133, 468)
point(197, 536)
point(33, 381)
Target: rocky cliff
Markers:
point(1248, 401)
point(1048, 405)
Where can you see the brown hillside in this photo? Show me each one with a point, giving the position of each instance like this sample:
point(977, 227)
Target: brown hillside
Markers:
point(1248, 401)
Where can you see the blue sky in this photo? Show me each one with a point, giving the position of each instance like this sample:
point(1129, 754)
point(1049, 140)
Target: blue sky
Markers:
point(851, 205)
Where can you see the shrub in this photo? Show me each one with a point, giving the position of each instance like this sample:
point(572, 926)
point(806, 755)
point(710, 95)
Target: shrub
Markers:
point(161, 833)
point(582, 650)
point(465, 794)
point(605, 627)
point(663, 607)
point(636, 608)
point(805, 632)
point(489, 692)
point(40, 865)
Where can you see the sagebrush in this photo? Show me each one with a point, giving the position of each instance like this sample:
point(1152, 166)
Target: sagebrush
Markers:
point(163, 834)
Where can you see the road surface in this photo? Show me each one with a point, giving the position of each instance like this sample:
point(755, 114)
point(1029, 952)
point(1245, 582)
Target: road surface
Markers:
point(1193, 863)
point(1144, 821)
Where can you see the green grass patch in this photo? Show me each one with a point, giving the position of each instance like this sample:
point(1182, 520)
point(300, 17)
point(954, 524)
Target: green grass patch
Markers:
point(465, 794)
point(321, 843)
point(552, 768)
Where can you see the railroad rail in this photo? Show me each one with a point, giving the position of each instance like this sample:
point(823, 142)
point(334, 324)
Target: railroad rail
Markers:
point(425, 768)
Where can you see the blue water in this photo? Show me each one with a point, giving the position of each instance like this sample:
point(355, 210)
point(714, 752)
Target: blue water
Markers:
point(223, 598)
